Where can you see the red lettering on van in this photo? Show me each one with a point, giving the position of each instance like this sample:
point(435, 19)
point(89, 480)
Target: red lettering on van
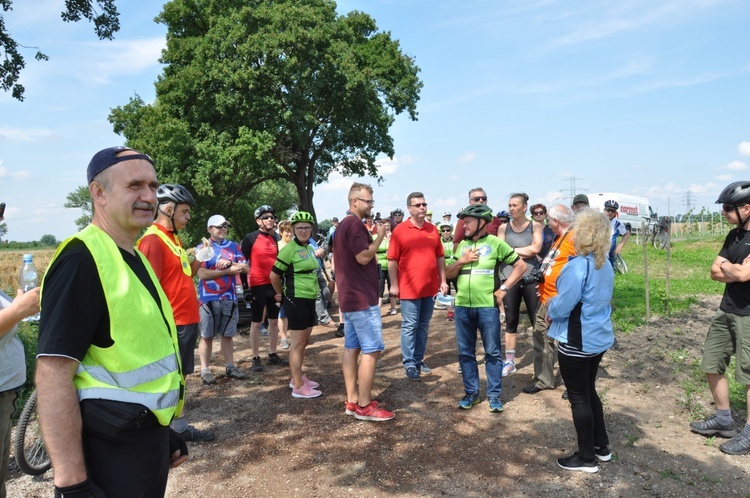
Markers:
point(629, 210)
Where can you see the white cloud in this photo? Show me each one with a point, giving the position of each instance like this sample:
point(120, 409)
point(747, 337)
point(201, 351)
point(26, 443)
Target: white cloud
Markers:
point(723, 178)
point(467, 158)
point(386, 166)
point(118, 58)
point(744, 148)
point(25, 135)
point(734, 166)
point(5, 173)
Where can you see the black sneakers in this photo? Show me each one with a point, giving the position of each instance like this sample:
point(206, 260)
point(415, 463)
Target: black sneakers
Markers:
point(574, 462)
point(274, 359)
point(196, 435)
point(257, 366)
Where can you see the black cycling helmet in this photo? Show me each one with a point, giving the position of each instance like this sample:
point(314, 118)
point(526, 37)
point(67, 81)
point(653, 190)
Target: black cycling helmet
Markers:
point(479, 211)
point(265, 208)
point(397, 211)
point(172, 192)
point(611, 204)
point(735, 193)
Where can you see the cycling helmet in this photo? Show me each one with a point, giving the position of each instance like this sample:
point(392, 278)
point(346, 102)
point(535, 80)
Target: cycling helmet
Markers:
point(735, 193)
point(447, 213)
point(503, 214)
point(479, 211)
point(265, 208)
point(611, 204)
point(397, 211)
point(302, 216)
point(171, 192)
point(444, 225)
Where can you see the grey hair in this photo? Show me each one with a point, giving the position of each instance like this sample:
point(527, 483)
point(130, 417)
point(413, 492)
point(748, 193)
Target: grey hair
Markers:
point(562, 213)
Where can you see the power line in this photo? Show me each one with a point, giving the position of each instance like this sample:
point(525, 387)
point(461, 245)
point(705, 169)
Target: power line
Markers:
point(572, 189)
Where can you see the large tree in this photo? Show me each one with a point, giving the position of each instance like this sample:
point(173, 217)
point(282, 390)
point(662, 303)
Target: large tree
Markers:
point(106, 22)
point(259, 90)
point(81, 198)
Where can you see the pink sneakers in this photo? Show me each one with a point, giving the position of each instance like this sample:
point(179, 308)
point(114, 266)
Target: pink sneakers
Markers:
point(373, 413)
point(306, 381)
point(305, 392)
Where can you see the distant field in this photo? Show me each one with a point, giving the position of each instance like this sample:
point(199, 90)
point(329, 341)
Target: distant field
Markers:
point(10, 267)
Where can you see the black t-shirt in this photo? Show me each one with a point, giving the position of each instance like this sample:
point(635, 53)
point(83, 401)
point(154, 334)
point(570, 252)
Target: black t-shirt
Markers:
point(75, 314)
point(736, 248)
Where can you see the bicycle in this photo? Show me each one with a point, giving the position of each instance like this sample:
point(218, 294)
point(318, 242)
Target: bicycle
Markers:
point(620, 265)
point(660, 235)
point(31, 454)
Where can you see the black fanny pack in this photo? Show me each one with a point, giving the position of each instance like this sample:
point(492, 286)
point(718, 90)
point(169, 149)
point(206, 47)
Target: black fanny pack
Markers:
point(116, 421)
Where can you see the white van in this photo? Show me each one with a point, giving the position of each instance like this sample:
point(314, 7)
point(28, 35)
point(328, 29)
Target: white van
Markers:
point(633, 210)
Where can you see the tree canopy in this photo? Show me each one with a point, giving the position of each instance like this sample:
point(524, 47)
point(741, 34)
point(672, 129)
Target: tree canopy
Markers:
point(106, 23)
point(81, 198)
point(256, 91)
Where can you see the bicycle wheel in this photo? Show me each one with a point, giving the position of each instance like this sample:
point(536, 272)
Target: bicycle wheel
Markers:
point(661, 240)
point(31, 455)
point(620, 265)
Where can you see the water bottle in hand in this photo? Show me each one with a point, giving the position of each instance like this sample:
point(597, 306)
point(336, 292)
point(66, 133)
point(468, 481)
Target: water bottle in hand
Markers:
point(29, 280)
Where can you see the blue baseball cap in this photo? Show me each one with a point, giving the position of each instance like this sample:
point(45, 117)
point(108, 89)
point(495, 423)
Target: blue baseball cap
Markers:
point(108, 157)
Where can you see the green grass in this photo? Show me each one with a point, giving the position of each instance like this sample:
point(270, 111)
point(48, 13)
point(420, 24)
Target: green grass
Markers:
point(689, 277)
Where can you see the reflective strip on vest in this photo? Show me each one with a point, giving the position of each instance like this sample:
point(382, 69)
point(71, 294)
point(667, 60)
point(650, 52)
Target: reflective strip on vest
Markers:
point(152, 401)
point(132, 378)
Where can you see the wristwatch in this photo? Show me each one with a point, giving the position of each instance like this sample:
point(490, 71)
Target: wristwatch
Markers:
point(503, 288)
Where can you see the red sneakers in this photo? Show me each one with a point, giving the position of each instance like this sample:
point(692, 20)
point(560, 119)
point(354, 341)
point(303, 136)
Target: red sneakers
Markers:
point(351, 407)
point(373, 413)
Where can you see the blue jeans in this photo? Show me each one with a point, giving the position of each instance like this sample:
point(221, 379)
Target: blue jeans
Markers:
point(487, 320)
point(415, 316)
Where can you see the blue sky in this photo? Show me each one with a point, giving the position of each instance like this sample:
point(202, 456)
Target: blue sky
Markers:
point(635, 96)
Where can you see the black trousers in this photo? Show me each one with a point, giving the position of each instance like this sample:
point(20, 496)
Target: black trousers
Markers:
point(138, 468)
point(579, 375)
point(512, 302)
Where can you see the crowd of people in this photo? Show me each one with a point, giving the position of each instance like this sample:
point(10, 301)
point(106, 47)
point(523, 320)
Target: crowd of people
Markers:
point(111, 397)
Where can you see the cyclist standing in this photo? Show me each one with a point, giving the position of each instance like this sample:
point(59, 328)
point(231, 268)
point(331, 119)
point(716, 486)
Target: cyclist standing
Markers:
point(619, 229)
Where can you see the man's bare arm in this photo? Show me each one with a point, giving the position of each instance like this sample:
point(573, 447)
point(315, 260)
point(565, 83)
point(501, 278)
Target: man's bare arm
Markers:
point(60, 418)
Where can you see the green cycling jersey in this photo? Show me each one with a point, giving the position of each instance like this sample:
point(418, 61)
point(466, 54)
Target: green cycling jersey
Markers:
point(298, 268)
point(478, 281)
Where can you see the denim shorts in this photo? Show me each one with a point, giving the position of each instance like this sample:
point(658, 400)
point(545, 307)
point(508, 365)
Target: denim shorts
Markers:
point(728, 335)
point(364, 330)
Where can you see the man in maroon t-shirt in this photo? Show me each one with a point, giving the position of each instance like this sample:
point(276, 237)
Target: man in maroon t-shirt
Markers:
point(357, 281)
point(476, 196)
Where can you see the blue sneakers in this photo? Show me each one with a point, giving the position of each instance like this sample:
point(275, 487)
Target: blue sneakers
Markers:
point(468, 401)
point(413, 374)
point(496, 406)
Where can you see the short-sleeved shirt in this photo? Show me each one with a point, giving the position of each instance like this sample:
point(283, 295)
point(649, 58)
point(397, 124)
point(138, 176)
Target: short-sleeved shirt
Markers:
point(357, 284)
point(74, 310)
point(167, 265)
point(12, 359)
point(478, 281)
point(416, 251)
point(216, 289)
point(561, 251)
point(260, 250)
point(297, 265)
point(736, 294)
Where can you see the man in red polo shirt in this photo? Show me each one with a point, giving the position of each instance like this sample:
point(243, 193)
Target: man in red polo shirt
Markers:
point(416, 266)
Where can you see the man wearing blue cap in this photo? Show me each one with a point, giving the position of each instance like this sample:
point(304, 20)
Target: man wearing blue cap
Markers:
point(108, 371)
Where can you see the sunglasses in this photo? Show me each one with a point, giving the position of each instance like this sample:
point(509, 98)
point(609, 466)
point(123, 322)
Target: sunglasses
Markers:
point(268, 217)
point(419, 205)
point(398, 214)
point(611, 210)
point(221, 227)
point(479, 198)
point(730, 207)
point(539, 213)
point(447, 230)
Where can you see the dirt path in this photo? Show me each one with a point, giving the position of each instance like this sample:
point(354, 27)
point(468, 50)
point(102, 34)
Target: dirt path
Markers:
point(270, 444)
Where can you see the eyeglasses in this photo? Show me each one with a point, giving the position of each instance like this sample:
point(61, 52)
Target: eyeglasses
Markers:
point(370, 202)
point(220, 227)
point(268, 217)
point(538, 213)
point(479, 198)
point(419, 205)
point(303, 228)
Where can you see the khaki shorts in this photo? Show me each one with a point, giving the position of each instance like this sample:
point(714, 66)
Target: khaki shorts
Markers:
point(728, 335)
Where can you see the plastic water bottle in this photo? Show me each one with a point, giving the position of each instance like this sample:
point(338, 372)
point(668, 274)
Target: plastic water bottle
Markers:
point(29, 280)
